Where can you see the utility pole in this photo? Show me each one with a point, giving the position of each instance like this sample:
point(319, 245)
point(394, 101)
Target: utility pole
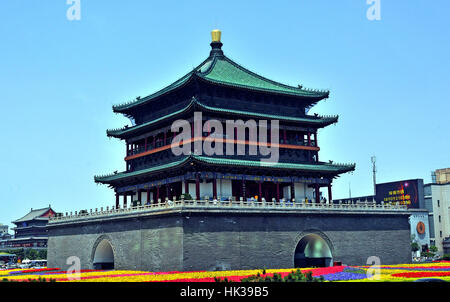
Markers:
point(374, 160)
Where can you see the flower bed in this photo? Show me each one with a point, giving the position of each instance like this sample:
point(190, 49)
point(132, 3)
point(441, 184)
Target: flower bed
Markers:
point(388, 273)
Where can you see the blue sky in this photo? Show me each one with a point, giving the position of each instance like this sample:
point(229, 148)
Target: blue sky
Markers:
point(59, 79)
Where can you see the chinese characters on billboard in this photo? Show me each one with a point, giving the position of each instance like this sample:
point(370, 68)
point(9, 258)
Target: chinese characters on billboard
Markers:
point(401, 192)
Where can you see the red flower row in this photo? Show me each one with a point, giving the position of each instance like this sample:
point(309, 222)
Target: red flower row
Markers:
point(422, 274)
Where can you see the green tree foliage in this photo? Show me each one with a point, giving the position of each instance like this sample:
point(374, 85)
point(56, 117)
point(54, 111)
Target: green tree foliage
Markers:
point(42, 255)
point(29, 254)
point(433, 249)
point(427, 254)
point(415, 247)
point(186, 196)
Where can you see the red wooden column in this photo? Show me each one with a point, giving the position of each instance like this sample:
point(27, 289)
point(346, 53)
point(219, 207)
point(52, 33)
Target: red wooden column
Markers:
point(292, 191)
point(197, 187)
point(168, 191)
point(310, 155)
point(125, 199)
point(278, 192)
point(139, 197)
point(244, 191)
point(117, 200)
point(317, 193)
point(148, 196)
point(186, 187)
point(317, 145)
point(260, 191)
point(214, 187)
point(330, 193)
point(157, 194)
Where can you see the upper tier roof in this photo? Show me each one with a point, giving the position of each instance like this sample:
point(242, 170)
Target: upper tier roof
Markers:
point(220, 70)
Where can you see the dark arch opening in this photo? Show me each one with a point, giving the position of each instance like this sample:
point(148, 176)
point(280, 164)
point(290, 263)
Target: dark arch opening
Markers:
point(312, 250)
point(104, 256)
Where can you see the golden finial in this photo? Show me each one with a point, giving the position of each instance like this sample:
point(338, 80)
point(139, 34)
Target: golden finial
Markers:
point(216, 35)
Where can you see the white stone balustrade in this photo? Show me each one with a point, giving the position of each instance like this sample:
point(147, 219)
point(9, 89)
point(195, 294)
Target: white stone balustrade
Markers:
point(239, 205)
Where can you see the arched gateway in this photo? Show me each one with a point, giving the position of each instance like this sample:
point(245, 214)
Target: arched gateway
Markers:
point(313, 250)
point(103, 255)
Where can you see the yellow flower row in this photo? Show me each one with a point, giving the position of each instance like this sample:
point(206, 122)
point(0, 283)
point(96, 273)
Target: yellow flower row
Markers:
point(6, 272)
point(64, 275)
point(187, 275)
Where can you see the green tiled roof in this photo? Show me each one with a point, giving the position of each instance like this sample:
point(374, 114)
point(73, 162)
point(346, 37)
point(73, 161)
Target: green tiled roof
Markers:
point(322, 167)
point(313, 120)
point(117, 176)
point(33, 214)
point(318, 120)
point(225, 71)
point(118, 132)
point(221, 70)
point(333, 168)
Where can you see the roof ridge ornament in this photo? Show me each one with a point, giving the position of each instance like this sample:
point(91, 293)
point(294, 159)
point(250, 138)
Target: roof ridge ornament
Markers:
point(216, 35)
point(216, 44)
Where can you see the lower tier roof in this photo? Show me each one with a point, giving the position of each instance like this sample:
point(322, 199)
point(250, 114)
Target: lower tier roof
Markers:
point(325, 168)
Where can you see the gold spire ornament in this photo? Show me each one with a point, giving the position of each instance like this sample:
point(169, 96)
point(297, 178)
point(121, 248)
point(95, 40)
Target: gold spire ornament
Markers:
point(216, 35)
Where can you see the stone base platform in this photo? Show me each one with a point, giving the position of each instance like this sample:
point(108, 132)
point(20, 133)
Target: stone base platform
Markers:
point(191, 236)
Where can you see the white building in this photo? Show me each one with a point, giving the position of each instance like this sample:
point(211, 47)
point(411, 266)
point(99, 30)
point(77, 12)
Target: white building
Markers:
point(420, 228)
point(3, 229)
point(437, 201)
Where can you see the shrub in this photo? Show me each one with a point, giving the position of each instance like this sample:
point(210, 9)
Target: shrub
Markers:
point(427, 254)
point(294, 276)
point(40, 280)
point(186, 196)
point(433, 249)
point(415, 247)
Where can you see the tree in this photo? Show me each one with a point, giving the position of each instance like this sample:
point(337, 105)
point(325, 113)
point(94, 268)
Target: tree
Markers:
point(19, 253)
point(42, 255)
point(415, 247)
point(31, 254)
point(433, 249)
